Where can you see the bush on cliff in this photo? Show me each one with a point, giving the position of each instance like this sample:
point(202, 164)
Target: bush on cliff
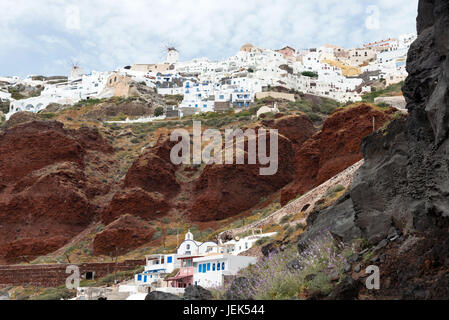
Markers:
point(289, 275)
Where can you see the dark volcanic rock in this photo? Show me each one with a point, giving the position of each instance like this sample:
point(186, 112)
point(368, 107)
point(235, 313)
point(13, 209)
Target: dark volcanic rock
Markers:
point(339, 220)
point(348, 289)
point(197, 293)
point(156, 295)
point(404, 181)
point(239, 290)
point(402, 189)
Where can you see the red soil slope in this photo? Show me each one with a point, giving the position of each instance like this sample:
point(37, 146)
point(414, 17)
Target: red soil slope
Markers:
point(336, 147)
point(45, 194)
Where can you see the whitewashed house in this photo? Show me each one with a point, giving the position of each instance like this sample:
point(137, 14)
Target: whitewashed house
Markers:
point(210, 270)
point(190, 247)
point(239, 245)
point(156, 268)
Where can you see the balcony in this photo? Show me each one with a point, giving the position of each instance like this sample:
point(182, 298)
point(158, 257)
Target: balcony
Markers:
point(185, 272)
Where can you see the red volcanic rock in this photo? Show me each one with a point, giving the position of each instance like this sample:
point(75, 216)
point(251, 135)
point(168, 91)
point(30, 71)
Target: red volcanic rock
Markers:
point(154, 171)
point(123, 235)
point(336, 147)
point(30, 248)
point(224, 191)
point(297, 128)
point(33, 146)
point(45, 194)
point(136, 202)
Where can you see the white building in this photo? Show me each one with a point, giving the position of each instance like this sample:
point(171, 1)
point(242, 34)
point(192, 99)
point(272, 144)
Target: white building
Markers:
point(89, 86)
point(5, 95)
point(172, 56)
point(190, 247)
point(210, 270)
point(156, 268)
point(239, 245)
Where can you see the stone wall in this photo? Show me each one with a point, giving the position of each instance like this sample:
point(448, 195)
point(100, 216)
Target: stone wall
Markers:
point(54, 275)
point(276, 95)
point(397, 101)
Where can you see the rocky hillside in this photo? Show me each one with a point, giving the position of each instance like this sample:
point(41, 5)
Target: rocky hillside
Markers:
point(398, 201)
point(51, 182)
point(65, 177)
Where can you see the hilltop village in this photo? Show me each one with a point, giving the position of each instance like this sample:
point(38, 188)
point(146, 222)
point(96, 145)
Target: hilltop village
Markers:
point(204, 86)
point(87, 178)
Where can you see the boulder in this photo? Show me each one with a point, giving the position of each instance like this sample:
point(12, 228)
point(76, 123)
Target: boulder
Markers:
point(348, 289)
point(157, 295)
point(197, 293)
point(240, 289)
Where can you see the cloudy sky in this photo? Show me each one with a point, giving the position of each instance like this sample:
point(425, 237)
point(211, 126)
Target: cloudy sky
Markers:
point(47, 36)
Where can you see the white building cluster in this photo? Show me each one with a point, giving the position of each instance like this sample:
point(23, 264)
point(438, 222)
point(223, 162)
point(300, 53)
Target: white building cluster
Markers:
point(208, 86)
point(196, 263)
point(234, 82)
point(77, 87)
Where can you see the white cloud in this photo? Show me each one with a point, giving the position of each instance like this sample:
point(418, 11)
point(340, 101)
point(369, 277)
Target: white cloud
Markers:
point(105, 34)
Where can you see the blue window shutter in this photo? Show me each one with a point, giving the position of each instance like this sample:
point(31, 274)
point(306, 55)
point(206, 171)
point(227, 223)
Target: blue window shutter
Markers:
point(139, 277)
point(199, 268)
point(218, 266)
point(169, 259)
point(213, 267)
point(223, 266)
point(208, 267)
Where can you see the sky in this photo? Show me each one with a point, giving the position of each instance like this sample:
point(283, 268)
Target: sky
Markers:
point(47, 37)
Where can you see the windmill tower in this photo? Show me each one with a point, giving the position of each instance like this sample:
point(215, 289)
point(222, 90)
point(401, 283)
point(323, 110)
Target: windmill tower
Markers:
point(172, 55)
point(76, 72)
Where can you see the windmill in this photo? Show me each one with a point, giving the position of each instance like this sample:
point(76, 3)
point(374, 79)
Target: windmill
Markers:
point(76, 72)
point(171, 53)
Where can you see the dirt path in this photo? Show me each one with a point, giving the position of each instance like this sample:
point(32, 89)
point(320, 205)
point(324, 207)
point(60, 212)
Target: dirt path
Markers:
point(81, 236)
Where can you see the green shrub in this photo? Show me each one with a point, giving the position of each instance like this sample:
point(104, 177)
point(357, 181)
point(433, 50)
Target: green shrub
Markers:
point(157, 235)
point(320, 283)
point(55, 294)
point(262, 241)
point(4, 106)
point(388, 91)
point(87, 102)
point(286, 219)
point(289, 232)
point(272, 279)
point(48, 115)
point(100, 228)
point(159, 112)
point(336, 189)
point(173, 232)
point(310, 74)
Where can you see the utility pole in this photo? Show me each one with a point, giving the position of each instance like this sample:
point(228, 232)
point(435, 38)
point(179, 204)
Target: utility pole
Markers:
point(374, 124)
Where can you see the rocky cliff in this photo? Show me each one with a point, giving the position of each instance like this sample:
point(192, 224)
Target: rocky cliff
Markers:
point(334, 148)
point(50, 178)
